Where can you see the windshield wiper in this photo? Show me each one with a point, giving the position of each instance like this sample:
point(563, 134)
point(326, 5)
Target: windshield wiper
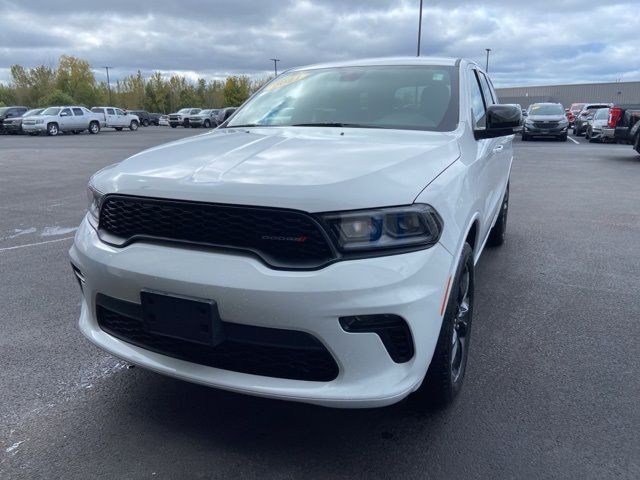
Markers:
point(338, 124)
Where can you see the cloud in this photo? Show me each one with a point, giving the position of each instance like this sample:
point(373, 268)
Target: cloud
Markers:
point(532, 42)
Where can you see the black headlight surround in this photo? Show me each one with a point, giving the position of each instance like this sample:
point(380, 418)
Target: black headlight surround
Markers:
point(394, 243)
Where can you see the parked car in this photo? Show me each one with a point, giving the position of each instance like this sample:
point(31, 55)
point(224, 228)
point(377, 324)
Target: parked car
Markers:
point(155, 118)
point(595, 124)
point(182, 117)
point(327, 259)
point(163, 121)
point(54, 120)
point(634, 136)
point(10, 112)
point(14, 125)
point(117, 118)
point(225, 113)
point(621, 119)
point(206, 118)
point(574, 110)
point(545, 120)
point(580, 122)
point(144, 117)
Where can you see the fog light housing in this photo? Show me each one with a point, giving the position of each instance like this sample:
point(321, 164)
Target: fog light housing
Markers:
point(79, 277)
point(392, 330)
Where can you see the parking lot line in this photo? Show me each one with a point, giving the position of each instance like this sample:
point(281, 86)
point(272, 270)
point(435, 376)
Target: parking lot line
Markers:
point(34, 244)
point(574, 140)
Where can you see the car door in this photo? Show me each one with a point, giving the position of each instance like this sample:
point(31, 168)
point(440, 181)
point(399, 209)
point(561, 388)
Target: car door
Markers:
point(121, 118)
point(80, 120)
point(65, 119)
point(111, 118)
point(487, 152)
point(502, 150)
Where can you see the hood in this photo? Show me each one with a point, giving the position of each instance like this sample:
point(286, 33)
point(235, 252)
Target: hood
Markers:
point(311, 169)
point(547, 118)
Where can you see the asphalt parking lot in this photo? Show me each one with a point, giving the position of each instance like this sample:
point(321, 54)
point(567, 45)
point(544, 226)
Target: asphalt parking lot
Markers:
point(552, 386)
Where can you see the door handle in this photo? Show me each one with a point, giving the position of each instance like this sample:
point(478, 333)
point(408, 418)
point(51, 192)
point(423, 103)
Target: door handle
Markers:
point(498, 149)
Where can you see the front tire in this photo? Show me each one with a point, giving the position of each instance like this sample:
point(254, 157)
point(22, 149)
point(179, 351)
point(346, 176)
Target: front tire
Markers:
point(145, 123)
point(207, 124)
point(94, 127)
point(53, 129)
point(563, 138)
point(133, 126)
point(445, 375)
point(525, 137)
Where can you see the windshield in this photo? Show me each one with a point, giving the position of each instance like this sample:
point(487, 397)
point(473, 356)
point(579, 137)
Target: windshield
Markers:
point(576, 107)
point(551, 109)
point(602, 113)
point(35, 111)
point(398, 97)
point(184, 110)
point(51, 111)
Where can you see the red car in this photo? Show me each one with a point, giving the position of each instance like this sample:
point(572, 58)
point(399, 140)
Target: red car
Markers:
point(573, 110)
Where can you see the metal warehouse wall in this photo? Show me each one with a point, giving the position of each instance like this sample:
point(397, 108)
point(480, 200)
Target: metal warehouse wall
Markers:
point(617, 92)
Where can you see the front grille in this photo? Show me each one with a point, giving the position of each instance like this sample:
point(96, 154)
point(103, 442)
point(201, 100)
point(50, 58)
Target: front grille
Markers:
point(172, 117)
point(269, 352)
point(281, 238)
point(29, 122)
point(546, 124)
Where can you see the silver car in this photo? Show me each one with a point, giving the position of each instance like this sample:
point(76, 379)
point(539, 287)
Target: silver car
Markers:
point(54, 120)
point(595, 125)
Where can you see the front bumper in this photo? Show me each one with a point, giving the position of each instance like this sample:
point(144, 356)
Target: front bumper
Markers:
point(38, 127)
point(410, 285)
point(608, 133)
point(545, 132)
point(12, 127)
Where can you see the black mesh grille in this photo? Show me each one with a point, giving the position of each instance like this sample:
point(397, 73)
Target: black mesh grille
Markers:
point(282, 238)
point(262, 351)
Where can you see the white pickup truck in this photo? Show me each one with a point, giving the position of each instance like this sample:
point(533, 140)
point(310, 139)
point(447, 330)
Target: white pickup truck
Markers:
point(183, 117)
point(117, 118)
point(54, 120)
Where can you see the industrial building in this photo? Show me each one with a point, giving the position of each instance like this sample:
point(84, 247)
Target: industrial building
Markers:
point(614, 92)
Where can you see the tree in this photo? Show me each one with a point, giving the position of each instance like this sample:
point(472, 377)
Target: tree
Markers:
point(76, 79)
point(56, 98)
point(236, 90)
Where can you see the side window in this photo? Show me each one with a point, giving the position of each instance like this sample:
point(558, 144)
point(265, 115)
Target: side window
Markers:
point(478, 110)
point(486, 89)
point(78, 112)
point(119, 112)
point(66, 112)
point(110, 111)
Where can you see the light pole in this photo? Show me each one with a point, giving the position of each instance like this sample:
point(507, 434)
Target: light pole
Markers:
point(486, 68)
point(108, 83)
point(275, 65)
point(419, 29)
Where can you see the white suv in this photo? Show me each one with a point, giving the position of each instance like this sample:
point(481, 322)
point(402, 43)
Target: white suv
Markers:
point(318, 247)
point(54, 120)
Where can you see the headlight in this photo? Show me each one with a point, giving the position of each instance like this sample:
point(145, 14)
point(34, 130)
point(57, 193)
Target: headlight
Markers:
point(95, 202)
point(40, 121)
point(412, 226)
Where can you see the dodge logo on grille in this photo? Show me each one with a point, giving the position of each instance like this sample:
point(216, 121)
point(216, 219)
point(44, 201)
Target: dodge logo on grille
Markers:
point(301, 238)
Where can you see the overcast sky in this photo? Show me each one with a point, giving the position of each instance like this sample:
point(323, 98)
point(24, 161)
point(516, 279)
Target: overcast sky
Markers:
point(532, 42)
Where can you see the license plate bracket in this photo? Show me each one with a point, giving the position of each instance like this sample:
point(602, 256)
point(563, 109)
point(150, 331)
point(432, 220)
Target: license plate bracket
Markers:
point(184, 318)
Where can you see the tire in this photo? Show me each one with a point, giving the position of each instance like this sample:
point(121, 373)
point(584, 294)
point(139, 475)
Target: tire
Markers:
point(525, 137)
point(94, 127)
point(53, 129)
point(445, 375)
point(587, 134)
point(207, 124)
point(145, 123)
point(563, 138)
point(133, 126)
point(118, 129)
point(186, 123)
point(499, 230)
point(636, 145)
point(174, 126)
point(576, 132)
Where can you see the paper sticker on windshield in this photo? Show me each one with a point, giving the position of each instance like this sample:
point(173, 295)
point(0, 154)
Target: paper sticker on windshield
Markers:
point(285, 80)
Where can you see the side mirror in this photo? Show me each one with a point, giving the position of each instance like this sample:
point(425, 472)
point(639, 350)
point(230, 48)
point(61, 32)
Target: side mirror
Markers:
point(502, 120)
point(524, 114)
